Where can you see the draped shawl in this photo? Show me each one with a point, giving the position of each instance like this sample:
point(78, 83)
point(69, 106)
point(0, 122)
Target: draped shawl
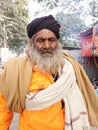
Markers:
point(16, 77)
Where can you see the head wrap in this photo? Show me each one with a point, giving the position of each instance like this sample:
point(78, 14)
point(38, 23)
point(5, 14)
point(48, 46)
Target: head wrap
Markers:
point(46, 22)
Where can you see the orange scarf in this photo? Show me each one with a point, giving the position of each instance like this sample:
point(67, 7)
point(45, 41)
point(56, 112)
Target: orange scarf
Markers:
point(15, 79)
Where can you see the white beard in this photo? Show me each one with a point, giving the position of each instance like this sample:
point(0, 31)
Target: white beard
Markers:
point(48, 63)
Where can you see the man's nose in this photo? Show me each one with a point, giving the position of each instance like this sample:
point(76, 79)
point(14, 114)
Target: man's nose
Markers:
point(47, 44)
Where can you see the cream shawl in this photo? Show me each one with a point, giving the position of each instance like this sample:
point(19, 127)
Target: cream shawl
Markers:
point(15, 79)
point(64, 88)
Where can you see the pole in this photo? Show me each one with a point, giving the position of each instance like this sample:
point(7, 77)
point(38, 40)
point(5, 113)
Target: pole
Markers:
point(5, 35)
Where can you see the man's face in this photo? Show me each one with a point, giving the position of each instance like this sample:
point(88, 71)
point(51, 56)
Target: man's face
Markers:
point(45, 42)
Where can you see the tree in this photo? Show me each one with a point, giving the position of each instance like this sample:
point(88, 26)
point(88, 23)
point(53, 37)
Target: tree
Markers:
point(15, 18)
point(72, 17)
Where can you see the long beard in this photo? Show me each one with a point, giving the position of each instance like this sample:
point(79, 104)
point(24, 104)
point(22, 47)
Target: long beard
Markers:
point(47, 63)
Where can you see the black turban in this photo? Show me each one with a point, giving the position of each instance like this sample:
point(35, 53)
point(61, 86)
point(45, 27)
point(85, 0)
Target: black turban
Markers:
point(46, 22)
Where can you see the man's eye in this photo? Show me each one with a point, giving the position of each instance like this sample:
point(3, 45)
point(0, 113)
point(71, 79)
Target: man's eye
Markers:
point(40, 40)
point(52, 39)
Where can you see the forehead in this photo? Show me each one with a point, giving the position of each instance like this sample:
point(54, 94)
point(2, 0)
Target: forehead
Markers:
point(45, 33)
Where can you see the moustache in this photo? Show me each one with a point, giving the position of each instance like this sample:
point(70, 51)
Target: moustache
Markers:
point(50, 51)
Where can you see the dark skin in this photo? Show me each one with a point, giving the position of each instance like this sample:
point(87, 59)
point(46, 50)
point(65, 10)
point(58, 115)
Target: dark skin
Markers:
point(45, 41)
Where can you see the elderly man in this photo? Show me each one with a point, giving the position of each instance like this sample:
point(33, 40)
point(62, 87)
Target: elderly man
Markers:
point(48, 88)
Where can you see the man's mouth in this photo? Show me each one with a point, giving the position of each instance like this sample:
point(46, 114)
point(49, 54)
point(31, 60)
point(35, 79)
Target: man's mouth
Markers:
point(47, 53)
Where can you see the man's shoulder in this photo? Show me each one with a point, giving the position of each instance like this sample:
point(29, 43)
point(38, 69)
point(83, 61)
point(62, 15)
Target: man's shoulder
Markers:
point(13, 59)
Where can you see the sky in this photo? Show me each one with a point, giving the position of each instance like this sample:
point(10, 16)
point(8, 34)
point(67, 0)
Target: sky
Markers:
point(34, 6)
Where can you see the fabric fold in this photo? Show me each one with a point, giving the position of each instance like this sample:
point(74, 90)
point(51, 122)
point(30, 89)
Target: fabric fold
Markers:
point(67, 89)
point(84, 84)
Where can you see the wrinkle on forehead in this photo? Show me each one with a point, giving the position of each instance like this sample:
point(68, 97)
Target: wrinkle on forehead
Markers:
point(45, 33)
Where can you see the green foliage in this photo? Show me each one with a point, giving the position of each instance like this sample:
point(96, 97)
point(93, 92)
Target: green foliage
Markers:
point(71, 26)
point(14, 14)
point(72, 17)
